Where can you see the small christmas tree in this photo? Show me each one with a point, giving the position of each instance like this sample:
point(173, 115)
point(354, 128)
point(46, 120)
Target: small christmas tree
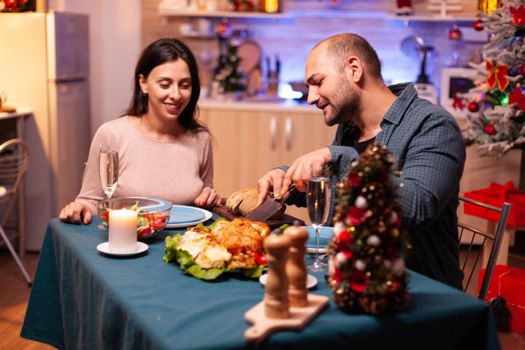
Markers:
point(496, 105)
point(229, 75)
point(366, 255)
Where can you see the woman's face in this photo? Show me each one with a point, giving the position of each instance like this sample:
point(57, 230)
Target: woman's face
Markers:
point(169, 89)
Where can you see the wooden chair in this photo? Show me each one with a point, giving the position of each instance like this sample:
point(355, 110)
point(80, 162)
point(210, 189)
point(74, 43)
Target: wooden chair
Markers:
point(14, 161)
point(478, 241)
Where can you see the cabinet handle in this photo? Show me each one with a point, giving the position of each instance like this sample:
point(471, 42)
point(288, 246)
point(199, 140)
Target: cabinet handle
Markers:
point(288, 131)
point(273, 133)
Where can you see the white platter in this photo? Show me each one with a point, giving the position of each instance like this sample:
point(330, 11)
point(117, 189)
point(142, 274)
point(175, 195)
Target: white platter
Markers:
point(311, 281)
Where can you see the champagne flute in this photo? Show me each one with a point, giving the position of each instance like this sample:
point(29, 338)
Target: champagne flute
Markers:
point(318, 202)
point(108, 171)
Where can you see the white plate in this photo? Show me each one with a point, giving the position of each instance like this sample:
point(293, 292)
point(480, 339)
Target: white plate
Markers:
point(311, 281)
point(205, 215)
point(311, 250)
point(104, 248)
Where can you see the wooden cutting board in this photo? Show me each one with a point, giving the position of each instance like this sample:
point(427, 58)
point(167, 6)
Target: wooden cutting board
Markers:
point(274, 223)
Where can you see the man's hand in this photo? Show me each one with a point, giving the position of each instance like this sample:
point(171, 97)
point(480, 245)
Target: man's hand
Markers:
point(75, 213)
point(304, 168)
point(271, 181)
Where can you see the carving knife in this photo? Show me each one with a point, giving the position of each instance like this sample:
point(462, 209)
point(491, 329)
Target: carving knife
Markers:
point(268, 208)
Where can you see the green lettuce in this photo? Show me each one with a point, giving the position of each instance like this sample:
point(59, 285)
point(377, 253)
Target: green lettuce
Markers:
point(186, 261)
point(188, 264)
point(255, 272)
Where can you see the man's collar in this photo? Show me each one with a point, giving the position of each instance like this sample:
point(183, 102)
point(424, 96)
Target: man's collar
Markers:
point(405, 93)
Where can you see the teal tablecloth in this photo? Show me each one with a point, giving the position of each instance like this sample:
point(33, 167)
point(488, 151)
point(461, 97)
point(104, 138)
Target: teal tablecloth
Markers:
point(83, 300)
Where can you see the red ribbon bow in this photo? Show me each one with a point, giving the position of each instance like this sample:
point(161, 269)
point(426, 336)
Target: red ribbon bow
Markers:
point(497, 74)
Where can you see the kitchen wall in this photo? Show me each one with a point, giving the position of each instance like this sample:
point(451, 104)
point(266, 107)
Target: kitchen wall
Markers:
point(292, 38)
point(119, 29)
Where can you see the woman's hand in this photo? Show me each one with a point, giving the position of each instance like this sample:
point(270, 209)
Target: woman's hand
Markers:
point(207, 198)
point(75, 213)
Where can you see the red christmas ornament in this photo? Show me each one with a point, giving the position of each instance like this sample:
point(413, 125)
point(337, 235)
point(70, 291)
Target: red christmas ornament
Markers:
point(355, 215)
point(358, 281)
point(473, 107)
point(454, 33)
point(478, 25)
point(518, 15)
point(522, 70)
point(344, 237)
point(490, 129)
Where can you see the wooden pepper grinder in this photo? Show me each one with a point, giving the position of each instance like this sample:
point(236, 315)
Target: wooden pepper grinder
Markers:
point(276, 303)
point(296, 267)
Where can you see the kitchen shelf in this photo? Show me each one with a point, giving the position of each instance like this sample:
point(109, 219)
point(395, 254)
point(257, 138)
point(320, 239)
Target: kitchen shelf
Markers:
point(432, 18)
point(222, 14)
point(323, 14)
point(428, 17)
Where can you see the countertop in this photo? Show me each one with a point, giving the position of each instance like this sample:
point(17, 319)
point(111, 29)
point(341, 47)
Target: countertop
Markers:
point(260, 104)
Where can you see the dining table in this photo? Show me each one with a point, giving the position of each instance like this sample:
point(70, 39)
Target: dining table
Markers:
point(84, 299)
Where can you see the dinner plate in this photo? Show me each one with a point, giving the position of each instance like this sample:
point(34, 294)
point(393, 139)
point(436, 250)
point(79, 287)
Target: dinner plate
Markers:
point(311, 281)
point(184, 216)
point(325, 235)
point(104, 248)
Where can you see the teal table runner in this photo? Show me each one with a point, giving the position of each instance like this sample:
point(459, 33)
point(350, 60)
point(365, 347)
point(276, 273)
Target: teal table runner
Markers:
point(81, 299)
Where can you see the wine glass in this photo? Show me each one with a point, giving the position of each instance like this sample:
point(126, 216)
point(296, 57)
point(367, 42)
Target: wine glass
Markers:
point(108, 171)
point(318, 203)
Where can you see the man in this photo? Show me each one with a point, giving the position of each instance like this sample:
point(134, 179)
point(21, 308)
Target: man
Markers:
point(343, 74)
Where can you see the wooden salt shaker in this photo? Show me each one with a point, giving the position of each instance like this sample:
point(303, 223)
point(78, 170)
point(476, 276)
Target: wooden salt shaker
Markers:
point(296, 267)
point(276, 303)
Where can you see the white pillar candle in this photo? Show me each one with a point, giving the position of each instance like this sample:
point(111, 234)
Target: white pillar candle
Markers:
point(122, 230)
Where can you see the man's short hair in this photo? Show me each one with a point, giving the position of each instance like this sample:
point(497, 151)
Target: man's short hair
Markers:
point(341, 46)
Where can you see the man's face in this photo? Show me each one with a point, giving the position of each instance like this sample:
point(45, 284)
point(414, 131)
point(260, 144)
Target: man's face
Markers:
point(329, 88)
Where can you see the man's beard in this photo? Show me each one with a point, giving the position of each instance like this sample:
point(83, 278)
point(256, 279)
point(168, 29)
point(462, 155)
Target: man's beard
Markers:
point(345, 105)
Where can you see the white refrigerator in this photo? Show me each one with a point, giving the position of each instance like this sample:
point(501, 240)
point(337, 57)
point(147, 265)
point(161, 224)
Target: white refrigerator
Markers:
point(44, 66)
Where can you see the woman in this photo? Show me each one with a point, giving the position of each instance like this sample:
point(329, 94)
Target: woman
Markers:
point(163, 151)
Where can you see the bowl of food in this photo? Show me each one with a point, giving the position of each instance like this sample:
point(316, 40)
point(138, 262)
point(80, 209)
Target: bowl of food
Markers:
point(153, 213)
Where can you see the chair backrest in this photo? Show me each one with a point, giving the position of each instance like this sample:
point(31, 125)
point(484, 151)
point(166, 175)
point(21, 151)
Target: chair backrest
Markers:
point(14, 161)
point(475, 244)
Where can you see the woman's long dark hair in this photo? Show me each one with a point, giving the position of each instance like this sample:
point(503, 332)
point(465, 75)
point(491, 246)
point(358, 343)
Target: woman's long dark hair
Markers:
point(157, 53)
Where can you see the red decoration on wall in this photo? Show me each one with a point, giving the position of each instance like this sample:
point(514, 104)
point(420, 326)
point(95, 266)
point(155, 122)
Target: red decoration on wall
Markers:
point(454, 33)
point(457, 103)
point(404, 7)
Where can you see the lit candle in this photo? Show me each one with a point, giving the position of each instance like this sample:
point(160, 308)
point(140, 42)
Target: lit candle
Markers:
point(122, 230)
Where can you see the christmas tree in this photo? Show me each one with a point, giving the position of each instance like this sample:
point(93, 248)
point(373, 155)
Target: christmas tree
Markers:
point(496, 105)
point(229, 75)
point(366, 255)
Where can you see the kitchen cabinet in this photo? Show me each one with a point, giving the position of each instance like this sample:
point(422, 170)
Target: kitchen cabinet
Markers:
point(250, 140)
